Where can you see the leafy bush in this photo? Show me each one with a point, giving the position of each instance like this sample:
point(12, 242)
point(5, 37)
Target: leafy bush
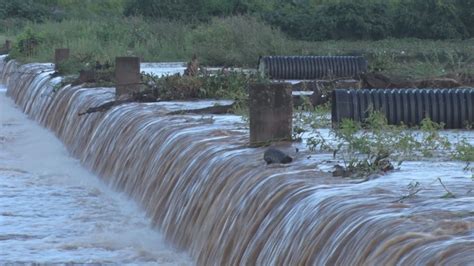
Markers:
point(429, 19)
point(464, 151)
point(353, 20)
point(179, 87)
point(369, 147)
point(363, 150)
point(221, 85)
point(27, 43)
point(466, 14)
point(339, 20)
point(295, 21)
point(375, 19)
point(25, 9)
point(226, 84)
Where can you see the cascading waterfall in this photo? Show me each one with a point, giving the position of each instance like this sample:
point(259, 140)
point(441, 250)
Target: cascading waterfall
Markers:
point(212, 195)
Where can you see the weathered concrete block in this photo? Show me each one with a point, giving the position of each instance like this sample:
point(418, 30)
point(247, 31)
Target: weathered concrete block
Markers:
point(271, 111)
point(127, 75)
point(60, 55)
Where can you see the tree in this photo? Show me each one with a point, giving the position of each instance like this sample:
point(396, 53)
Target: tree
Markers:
point(429, 19)
point(26, 9)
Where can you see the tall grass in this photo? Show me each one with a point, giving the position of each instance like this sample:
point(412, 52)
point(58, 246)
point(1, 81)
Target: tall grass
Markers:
point(107, 38)
point(235, 41)
point(3, 38)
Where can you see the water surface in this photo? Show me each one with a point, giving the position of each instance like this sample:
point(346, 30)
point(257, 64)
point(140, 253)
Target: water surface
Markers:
point(53, 210)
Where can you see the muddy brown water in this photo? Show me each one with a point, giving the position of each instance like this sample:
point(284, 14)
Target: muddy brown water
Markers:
point(215, 198)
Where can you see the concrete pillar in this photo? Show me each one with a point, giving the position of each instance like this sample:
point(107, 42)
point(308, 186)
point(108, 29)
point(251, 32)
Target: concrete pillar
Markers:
point(60, 55)
point(127, 75)
point(8, 45)
point(271, 112)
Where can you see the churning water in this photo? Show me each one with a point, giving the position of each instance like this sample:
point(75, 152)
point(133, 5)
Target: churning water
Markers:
point(206, 191)
point(53, 210)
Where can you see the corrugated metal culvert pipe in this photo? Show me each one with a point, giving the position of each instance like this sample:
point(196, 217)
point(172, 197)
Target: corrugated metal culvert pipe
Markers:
point(311, 67)
point(452, 107)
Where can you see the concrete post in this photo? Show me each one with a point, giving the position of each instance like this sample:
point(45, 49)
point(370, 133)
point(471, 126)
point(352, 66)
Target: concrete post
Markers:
point(8, 45)
point(60, 55)
point(127, 75)
point(271, 112)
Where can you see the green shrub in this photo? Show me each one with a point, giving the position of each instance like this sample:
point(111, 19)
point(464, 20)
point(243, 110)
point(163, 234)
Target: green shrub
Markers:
point(429, 19)
point(372, 20)
point(221, 85)
point(466, 14)
point(24, 9)
point(369, 147)
point(179, 87)
point(338, 20)
point(295, 21)
point(27, 43)
point(464, 151)
point(353, 20)
point(226, 84)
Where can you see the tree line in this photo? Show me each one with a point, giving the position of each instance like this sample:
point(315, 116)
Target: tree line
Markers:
point(310, 20)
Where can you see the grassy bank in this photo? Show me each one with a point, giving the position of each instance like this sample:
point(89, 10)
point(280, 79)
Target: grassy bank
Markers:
point(3, 38)
point(232, 41)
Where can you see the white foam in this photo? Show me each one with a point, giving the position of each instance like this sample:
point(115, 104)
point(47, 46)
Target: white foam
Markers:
point(52, 210)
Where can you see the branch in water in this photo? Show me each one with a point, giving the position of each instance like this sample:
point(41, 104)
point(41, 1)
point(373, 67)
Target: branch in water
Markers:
point(105, 107)
point(216, 110)
point(141, 97)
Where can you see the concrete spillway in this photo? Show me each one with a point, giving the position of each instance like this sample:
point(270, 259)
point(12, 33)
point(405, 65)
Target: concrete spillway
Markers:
point(54, 211)
point(211, 195)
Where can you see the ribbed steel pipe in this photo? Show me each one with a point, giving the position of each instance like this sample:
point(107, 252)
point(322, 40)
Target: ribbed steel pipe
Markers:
point(452, 107)
point(311, 67)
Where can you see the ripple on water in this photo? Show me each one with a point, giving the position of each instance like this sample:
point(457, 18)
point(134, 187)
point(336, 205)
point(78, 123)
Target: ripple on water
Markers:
point(54, 211)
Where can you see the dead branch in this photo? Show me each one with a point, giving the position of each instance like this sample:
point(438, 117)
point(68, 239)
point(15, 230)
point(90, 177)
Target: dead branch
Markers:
point(142, 97)
point(216, 110)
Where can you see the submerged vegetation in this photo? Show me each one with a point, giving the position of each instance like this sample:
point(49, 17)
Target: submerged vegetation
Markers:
point(371, 147)
point(220, 85)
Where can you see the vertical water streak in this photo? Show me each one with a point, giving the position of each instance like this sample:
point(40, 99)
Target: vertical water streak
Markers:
point(210, 194)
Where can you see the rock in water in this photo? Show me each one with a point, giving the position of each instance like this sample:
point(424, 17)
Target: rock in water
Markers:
point(273, 155)
point(338, 170)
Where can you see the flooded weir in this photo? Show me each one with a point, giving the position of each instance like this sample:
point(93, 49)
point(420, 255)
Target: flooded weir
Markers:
point(211, 195)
